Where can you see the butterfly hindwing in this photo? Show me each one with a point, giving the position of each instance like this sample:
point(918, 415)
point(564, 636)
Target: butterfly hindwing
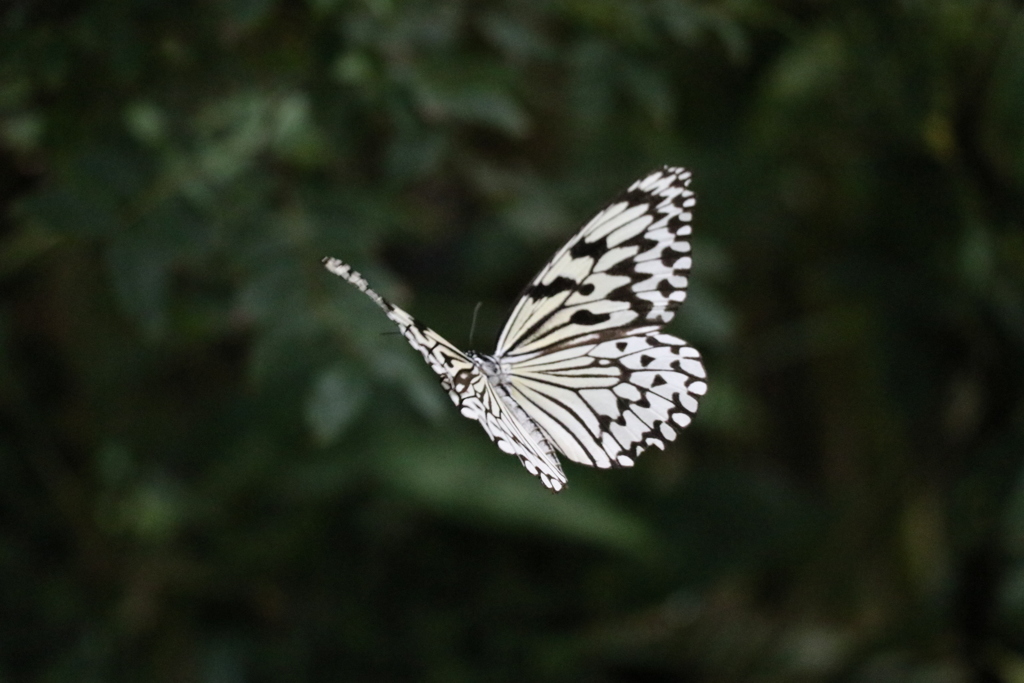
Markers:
point(603, 404)
point(511, 437)
point(625, 271)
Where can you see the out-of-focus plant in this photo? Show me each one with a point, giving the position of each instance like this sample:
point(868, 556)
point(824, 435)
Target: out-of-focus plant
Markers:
point(217, 464)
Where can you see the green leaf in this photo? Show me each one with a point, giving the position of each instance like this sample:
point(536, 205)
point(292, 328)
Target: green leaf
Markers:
point(74, 213)
point(336, 398)
point(247, 14)
point(93, 195)
point(721, 521)
point(465, 476)
point(137, 269)
point(1003, 122)
point(470, 96)
point(405, 367)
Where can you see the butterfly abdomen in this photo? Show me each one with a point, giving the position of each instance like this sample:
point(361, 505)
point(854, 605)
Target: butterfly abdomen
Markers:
point(498, 378)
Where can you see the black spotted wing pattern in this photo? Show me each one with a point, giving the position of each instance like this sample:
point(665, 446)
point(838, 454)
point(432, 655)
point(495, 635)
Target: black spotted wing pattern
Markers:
point(603, 404)
point(625, 272)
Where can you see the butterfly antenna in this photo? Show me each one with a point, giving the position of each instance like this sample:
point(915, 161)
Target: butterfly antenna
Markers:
point(472, 325)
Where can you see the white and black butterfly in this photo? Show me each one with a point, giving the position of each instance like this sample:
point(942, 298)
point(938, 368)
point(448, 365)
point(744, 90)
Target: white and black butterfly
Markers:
point(582, 367)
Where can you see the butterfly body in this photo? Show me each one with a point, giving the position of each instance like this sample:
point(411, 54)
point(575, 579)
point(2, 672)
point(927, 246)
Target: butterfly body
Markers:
point(499, 377)
point(582, 367)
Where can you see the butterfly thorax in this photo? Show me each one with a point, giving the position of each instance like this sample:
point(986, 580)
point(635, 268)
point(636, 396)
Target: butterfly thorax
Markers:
point(489, 366)
point(498, 377)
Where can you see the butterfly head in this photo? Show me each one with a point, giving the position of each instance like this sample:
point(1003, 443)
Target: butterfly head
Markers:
point(488, 365)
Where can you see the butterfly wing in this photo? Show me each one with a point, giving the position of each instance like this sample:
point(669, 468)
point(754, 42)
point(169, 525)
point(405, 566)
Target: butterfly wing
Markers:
point(582, 348)
point(484, 405)
point(624, 273)
point(603, 404)
point(466, 385)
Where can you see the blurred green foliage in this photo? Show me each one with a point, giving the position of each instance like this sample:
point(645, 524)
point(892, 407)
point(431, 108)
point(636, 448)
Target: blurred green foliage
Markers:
point(216, 465)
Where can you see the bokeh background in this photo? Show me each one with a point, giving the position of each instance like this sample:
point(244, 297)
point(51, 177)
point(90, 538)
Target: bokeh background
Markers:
point(218, 463)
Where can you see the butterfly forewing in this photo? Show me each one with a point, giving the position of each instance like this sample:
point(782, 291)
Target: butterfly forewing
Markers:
point(625, 272)
point(465, 384)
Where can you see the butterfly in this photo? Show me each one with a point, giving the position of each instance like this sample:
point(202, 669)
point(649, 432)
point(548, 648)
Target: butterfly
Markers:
point(582, 367)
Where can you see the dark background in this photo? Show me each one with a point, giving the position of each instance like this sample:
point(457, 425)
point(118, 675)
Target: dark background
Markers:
point(217, 464)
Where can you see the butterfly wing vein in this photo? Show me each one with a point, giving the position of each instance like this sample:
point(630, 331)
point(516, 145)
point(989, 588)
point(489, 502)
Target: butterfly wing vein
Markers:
point(603, 404)
point(624, 272)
